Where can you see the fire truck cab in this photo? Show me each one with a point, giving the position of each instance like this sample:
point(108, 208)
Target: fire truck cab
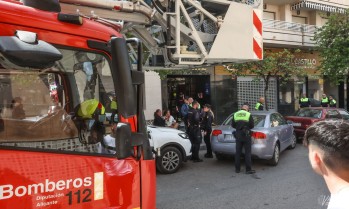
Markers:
point(60, 76)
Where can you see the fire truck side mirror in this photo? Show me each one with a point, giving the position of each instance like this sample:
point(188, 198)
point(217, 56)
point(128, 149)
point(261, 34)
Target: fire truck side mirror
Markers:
point(25, 50)
point(123, 146)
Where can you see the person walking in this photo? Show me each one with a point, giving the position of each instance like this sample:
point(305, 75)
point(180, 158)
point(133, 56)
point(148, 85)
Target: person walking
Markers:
point(304, 101)
point(333, 102)
point(325, 102)
point(206, 126)
point(260, 104)
point(243, 123)
point(328, 145)
point(194, 131)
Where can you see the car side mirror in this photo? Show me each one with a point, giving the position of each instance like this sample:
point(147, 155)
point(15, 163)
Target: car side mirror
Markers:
point(123, 140)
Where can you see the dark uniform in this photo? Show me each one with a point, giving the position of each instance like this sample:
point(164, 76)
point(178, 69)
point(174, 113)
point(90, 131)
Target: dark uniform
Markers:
point(259, 106)
point(194, 132)
point(206, 126)
point(325, 102)
point(243, 123)
point(304, 102)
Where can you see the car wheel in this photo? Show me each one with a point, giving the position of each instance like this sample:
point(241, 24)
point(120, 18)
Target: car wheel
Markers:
point(219, 156)
point(293, 142)
point(169, 161)
point(276, 156)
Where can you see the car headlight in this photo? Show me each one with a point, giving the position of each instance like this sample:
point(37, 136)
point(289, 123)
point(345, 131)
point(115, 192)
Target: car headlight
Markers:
point(184, 135)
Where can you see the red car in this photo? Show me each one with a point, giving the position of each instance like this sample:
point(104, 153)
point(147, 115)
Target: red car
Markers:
point(306, 116)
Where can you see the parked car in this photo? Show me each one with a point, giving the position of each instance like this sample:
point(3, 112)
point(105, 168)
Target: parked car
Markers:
point(172, 148)
point(270, 136)
point(304, 117)
point(314, 102)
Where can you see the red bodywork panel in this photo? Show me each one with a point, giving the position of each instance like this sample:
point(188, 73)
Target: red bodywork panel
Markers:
point(34, 179)
point(80, 181)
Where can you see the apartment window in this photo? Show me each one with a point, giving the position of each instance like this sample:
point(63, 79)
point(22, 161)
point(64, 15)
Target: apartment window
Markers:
point(269, 15)
point(300, 20)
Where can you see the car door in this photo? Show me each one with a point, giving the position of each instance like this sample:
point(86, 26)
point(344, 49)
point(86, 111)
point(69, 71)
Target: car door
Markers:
point(286, 131)
point(275, 128)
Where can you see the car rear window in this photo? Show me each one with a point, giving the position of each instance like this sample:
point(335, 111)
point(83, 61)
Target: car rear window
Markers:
point(309, 113)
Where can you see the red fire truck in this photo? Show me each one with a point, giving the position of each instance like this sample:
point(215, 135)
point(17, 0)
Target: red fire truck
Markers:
point(59, 145)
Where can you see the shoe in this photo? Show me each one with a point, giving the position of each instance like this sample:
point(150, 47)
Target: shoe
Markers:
point(208, 155)
point(197, 160)
point(237, 171)
point(250, 172)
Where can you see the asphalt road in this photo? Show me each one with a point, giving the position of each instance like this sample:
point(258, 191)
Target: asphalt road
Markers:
point(214, 184)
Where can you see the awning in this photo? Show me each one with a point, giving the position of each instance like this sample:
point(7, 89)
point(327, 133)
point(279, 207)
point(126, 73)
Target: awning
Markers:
point(309, 5)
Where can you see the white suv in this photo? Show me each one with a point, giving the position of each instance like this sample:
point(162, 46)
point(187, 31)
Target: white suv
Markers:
point(172, 148)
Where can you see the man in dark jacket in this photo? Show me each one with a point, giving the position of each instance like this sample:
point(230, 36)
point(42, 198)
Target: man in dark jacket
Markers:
point(304, 101)
point(194, 130)
point(243, 123)
point(206, 126)
point(325, 102)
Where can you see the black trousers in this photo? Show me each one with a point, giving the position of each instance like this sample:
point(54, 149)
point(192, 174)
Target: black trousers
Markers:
point(196, 139)
point(246, 144)
point(207, 141)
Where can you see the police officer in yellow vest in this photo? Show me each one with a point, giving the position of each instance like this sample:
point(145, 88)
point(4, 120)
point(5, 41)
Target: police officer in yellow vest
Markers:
point(304, 101)
point(259, 104)
point(243, 123)
point(325, 102)
point(90, 121)
point(333, 102)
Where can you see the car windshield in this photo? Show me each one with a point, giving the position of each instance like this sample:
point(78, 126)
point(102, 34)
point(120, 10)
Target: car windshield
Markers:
point(47, 108)
point(258, 120)
point(309, 113)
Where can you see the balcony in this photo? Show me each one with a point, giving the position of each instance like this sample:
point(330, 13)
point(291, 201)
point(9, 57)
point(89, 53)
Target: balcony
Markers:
point(287, 34)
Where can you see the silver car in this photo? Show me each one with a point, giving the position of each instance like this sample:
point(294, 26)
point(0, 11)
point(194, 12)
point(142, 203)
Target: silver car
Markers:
point(271, 135)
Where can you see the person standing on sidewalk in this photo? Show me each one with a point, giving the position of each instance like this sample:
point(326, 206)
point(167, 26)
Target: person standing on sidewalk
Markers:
point(325, 102)
point(328, 145)
point(259, 104)
point(333, 102)
point(304, 101)
point(243, 123)
point(206, 126)
point(194, 131)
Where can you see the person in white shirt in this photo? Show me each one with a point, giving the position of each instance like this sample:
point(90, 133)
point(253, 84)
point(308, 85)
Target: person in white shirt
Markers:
point(328, 145)
point(169, 120)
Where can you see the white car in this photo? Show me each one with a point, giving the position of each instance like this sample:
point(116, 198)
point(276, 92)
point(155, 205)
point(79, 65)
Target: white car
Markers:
point(172, 148)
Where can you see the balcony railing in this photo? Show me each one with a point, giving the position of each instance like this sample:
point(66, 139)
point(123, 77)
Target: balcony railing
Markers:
point(282, 25)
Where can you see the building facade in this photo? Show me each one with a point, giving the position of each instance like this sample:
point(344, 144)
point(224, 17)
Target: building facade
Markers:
point(286, 24)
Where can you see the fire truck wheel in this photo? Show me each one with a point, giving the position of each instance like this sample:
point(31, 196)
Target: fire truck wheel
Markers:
point(169, 161)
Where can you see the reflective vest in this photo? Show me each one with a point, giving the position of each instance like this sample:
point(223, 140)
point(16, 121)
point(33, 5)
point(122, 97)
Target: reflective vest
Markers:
point(258, 105)
point(333, 102)
point(304, 99)
point(242, 115)
point(113, 105)
point(324, 100)
point(88, 108)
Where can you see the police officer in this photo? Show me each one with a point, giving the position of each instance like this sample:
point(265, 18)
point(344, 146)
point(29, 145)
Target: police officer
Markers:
point(333, 102)
point(325, 102)
point(194, 130)
point(304, 101)
point(206, 126)
point(243, 123)
point(259, 104)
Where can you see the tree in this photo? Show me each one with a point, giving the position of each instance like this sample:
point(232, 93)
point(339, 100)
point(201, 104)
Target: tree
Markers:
point(278, 64)
point(332, 42)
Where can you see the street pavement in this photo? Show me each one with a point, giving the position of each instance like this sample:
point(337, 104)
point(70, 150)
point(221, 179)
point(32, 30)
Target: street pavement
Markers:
point(214, 184)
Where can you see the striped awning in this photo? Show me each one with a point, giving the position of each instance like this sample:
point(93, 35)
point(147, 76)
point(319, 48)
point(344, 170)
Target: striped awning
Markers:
point(305, 4)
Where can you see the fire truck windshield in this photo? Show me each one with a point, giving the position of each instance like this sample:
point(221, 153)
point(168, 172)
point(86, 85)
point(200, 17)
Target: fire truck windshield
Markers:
point(68, 107)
